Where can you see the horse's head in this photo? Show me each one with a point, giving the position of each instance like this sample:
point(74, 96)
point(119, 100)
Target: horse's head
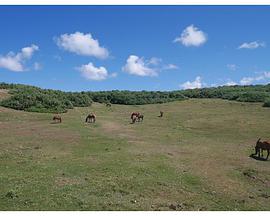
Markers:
point(258, 141)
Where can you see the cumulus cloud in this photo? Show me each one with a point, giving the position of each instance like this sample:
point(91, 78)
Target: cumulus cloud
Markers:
point(197, 83)
point(249, 80)
point(143, 67)
point(251, 45)
point(192, 36)
point(82, 44)
point(137, 66)
point(90, 72)
point(230, 83)
point(16, 62)
point(170, 67)
point(154, 61)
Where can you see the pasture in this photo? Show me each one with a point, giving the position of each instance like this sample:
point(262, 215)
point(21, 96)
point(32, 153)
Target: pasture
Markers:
point(196, 157)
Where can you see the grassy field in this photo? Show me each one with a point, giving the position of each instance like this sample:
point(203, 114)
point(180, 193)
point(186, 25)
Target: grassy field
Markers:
point(194, 158)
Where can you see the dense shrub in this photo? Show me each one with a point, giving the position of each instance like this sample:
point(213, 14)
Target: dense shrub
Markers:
point(34, 99)
point(267, 103)
point(253, 96)
point(30, 98)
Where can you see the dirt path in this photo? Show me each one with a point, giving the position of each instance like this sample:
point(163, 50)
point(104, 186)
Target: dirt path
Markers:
point(116, 129)
point(4, 94)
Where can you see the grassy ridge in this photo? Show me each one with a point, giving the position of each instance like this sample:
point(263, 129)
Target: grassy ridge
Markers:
point(31, 98)
point(194, 158)
point(34, 99)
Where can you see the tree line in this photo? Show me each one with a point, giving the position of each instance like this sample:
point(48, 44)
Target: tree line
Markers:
point(34, 99)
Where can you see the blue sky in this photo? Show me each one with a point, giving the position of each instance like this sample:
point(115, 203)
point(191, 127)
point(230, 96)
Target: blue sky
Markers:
point(75, 48)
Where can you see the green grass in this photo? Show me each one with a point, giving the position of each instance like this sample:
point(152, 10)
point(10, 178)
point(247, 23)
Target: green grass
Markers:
point(194, 158)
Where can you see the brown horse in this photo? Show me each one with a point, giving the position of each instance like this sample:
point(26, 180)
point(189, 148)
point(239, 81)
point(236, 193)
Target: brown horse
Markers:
point(261, 146)
point(91, 118)
point(134, 116)
point(133, 119)
point(161, 114)
point(140, 117)
point(57, 118)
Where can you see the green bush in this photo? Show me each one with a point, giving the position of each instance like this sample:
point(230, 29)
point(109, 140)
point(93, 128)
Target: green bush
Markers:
point(267, 103)
point(30, 98)
point(34, 99)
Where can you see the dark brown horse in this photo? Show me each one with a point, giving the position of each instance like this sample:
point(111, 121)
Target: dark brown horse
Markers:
point(261, 146)
point(91, 118)
point(134, 116)
point(57, 118)
point(161, 114)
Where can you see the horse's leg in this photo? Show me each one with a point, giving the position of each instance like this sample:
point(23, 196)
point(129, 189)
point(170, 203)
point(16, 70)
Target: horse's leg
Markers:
point(257, 151)
point(268, 151)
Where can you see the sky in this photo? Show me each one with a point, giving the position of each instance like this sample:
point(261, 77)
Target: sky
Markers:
point(156, 48)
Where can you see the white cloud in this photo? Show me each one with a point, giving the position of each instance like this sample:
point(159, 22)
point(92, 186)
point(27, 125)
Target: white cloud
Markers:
point(137, 66)
point(154, 61)
point(230, 83)
point(197, 83)
point(90, 72)
point(266, 74)
point(249, 80)
point(251, 45)
point(231, 67)
point(170, 67)
point(113, 75)
point(16, 62)
point(37, 66)
point(192, 36)
point(82, 44)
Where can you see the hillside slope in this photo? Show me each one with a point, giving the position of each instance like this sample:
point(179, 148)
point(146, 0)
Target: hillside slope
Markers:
point(194, 158)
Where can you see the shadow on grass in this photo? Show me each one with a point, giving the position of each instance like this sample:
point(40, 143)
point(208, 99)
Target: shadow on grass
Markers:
point(257, 158)
point(55, 122)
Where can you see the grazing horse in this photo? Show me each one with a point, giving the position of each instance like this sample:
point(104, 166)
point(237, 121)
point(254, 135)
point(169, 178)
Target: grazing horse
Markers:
point(140, 117)
point(260, 146)
point(91, 118)
point(133, 119)
point(58, 118)
point(161, 114)
point(134, 116)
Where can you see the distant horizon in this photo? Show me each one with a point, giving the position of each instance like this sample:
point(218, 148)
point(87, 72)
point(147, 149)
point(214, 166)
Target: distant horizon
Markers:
point(138, 90)
point(134, 48)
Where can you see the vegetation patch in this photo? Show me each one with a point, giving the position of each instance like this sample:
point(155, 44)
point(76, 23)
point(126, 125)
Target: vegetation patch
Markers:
point(33, 99)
